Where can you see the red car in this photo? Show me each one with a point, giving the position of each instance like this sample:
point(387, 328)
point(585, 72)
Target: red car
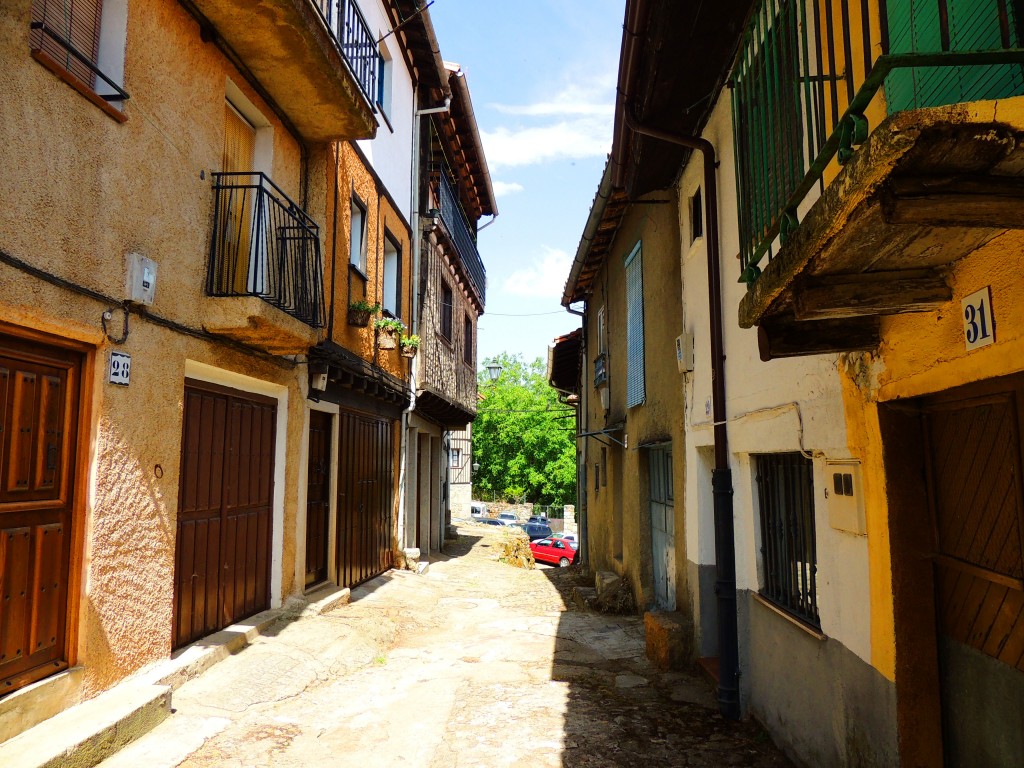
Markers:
point(555, 551)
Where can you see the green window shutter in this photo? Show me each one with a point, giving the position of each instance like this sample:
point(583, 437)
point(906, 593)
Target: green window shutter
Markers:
point(635, 389)
point(915, 27)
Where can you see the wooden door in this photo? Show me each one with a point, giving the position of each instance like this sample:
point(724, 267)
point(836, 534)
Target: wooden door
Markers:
point(318, 494)
point(365, 478)
point(225, 500)
point(39, 397)
point(974, 464)
point(663, 526)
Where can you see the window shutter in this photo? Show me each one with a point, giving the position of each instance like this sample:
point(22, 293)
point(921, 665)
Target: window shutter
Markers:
point(78, 23)
point(635, 388)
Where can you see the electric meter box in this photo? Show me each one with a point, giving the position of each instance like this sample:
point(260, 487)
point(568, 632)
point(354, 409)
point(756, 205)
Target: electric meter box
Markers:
point(845, 496)
point(141, 286)
point(684, 352)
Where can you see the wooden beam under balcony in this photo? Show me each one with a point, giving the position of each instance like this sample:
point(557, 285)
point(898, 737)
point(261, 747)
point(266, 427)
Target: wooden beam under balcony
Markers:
point(871, 293)
point(784, 337)
point(968, 201)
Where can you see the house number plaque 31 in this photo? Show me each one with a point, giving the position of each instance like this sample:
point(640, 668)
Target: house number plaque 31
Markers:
point(979, 330)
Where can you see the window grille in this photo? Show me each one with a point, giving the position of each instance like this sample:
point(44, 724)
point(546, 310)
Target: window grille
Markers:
point(446, 309)
point(785, 485)
point(635, 387)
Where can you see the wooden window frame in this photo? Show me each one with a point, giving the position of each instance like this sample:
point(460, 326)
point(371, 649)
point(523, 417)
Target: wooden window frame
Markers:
point(446, 311)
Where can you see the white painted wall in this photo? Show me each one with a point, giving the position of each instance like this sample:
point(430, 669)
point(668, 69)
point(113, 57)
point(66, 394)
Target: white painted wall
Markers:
point(390, 153)
point(768, 406)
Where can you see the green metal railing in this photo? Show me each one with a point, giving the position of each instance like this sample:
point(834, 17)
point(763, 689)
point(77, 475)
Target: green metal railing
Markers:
point(807, 72)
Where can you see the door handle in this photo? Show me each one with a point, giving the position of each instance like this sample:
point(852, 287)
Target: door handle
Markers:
point(51, 456)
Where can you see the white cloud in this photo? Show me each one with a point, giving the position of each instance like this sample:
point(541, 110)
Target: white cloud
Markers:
point(502, 188)
point(572, 123)
point(544, 278)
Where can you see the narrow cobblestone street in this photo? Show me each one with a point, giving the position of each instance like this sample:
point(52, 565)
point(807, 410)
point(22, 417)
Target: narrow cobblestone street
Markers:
point(475, 663)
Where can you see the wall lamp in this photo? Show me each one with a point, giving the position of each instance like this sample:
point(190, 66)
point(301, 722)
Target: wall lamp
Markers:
point(318, 376)
point(493, 371)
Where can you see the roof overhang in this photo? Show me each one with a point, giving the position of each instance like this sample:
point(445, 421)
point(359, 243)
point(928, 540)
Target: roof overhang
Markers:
point(564, 364)
point(442, 410)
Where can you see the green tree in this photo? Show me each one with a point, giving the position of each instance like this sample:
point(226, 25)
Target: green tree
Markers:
point(523, 437)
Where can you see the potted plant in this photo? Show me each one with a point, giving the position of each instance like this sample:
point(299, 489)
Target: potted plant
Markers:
point(409, 345)
point(359, 313)
point(388, 328)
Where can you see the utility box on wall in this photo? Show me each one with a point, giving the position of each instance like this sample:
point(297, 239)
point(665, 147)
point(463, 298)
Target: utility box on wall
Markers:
point(141, 285)
point(845, 496)
point(684, 352)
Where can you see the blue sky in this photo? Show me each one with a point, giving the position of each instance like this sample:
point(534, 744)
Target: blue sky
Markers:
point(542, 77)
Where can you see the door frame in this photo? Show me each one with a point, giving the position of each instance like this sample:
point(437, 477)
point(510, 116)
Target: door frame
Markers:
point(81, 464)
point(209, 374)
point(333, 409)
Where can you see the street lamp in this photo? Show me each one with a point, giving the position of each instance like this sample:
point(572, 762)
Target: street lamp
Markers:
point(493, 371)
point(476, 467)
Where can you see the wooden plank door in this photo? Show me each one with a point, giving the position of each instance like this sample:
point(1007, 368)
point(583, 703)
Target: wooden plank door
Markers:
point(39, 393)
point(318, 494)
point(225, 499)
point(974, 464)
point(365, 478)
point(663, 525)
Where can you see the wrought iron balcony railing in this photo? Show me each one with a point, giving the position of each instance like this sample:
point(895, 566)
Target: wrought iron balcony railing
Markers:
point(357, 43)
point(808, 70)
point(265, 245)
point(459, 230)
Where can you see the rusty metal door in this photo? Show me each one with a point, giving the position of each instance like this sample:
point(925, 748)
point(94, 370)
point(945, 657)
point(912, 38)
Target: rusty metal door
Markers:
point(365, 498)
point(318, 494)
point(974, 464)
point(222, 560)
point(39, 397)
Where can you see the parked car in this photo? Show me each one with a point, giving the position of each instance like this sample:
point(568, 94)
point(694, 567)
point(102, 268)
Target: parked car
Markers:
point(508, 517)
point(537, 531)
point(477, 509)
point(492, 521)
point(566, 536)
point(538, 519)
point(556, 551)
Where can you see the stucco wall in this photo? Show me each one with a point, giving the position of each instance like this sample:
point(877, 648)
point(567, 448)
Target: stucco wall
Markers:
point(88, 190)
point(623, 496)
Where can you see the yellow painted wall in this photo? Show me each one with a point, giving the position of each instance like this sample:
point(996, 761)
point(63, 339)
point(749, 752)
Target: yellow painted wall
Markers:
point(623, 501)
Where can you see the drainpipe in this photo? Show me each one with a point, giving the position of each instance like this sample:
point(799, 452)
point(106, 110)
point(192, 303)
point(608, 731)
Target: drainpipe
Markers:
point(721, 478)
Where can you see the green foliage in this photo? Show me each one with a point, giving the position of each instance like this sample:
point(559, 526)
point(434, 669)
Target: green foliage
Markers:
point(523, 437)
point(389, 325)
point(410, 341)
point(361, 305)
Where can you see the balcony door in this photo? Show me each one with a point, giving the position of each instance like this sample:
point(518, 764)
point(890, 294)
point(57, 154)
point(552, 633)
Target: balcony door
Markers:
point(239, 200)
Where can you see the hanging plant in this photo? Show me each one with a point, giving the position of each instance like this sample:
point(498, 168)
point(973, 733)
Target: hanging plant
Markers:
point(388, 330)
point(410, 345)
point(359, 313)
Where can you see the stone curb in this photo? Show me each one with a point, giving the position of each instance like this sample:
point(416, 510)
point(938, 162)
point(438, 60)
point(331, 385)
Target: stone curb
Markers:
point(86, 734)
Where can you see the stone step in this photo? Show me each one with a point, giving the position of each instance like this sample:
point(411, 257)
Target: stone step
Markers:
point(584, 597)
point(88, 733)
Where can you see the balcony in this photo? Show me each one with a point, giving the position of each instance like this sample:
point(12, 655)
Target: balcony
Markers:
point(317, 59)
point(462, 238)
point(840, 224)
point(266, 251)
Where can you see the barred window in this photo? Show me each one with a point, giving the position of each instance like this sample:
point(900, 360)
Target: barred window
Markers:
point(785, 485)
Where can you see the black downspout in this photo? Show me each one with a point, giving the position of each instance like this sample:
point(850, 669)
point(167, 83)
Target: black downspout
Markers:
point(721, 477)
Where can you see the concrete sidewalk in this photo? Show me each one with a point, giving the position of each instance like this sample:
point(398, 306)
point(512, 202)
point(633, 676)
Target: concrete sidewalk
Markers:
point(473, 664)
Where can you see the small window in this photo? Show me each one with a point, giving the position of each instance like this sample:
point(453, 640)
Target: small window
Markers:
point(357, 236)
point(456, 458)
point(392, 289)
point(785, 489)
point(467, 340)
point(696, 216)
point(602, 332)
point(446, 310)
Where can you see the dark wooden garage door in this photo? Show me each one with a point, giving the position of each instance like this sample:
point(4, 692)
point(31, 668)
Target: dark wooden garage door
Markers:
point(365, 479)
point(39, 394)
point(977, 500)
point(222, 562)
point(318, 497)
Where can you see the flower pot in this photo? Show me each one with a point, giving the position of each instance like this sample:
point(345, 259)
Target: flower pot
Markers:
point(409, 351)
point(386, 340)
point(359, 317)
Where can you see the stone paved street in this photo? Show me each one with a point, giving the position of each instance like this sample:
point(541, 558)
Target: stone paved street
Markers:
point(475, 663)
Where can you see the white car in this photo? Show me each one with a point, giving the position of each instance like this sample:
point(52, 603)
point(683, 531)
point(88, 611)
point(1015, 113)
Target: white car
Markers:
point(477, 510)
point(508, 517)
point(566, 536)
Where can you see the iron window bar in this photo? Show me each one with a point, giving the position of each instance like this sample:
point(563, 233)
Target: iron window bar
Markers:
point(795, 93)
point(119, 93)
point(265, 245)
point(785, 485)
point(461, 235)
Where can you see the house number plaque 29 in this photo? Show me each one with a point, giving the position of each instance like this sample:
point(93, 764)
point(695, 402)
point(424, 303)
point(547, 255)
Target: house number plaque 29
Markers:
point(979, 330)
